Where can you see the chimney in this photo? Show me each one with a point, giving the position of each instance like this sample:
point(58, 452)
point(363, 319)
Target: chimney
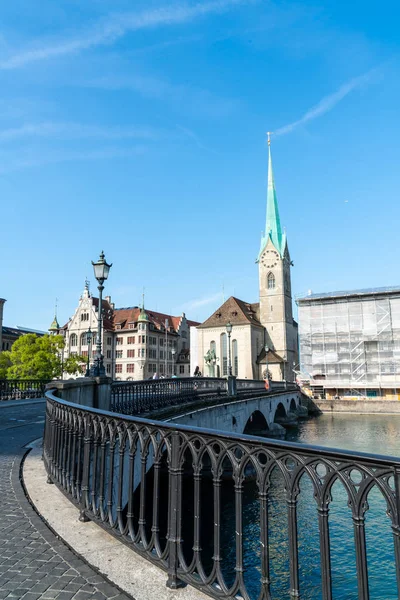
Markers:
point(108, 299)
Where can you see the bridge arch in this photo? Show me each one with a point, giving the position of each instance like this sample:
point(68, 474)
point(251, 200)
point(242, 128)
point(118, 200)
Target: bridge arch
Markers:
point(293, 405)
point(256, 424)
point(280, 413)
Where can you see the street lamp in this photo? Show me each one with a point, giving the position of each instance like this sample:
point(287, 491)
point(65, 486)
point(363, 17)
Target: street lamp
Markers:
point(266, 360)
point(166, 346)
point(229, 331)
point(173, 352)
point(89, 336)
point(101, 270)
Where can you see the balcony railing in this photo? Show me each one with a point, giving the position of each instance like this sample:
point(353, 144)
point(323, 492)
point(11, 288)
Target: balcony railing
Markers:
point(218, 510)
point(17, 389)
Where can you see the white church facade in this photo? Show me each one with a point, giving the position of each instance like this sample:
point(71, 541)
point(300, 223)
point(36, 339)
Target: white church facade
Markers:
point(264, 336)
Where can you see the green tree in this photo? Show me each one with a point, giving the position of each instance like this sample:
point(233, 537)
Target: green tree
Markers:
point(5, 363)
point(34, 357)
point(73, 364)
point(38, 357)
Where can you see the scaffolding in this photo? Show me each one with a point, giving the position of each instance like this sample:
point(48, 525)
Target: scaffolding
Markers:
point(351, 339)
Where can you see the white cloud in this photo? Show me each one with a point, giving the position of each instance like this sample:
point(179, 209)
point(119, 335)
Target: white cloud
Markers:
point(116, 26)
point(198, 302)
point(32, 161)
point(328, 103)
point(76, 131)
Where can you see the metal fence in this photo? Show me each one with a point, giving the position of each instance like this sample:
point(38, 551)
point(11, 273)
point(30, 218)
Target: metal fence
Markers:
point(16, 389)
point(138, 397)
point(162, 489)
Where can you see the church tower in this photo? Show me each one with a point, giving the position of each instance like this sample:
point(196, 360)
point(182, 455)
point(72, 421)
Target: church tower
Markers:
point(275, 290)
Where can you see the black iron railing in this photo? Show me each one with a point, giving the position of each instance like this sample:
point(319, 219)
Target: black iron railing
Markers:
point(17, 389)
point(173, 493)
point(138, 397)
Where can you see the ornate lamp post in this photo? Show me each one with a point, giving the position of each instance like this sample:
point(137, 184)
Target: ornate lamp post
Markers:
point(101, 270)
point(173, 352)
point(229, 331)
point(89, 336)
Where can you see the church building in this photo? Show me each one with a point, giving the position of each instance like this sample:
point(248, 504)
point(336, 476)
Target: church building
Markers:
point(264, 336)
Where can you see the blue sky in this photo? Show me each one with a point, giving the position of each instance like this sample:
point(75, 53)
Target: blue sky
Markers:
point(138, 127)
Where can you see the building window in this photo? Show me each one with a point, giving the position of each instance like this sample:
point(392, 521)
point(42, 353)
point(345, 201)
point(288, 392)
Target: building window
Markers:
point(131, 354)
point(118, 368)
point(118, 354)
point(108, 368)
point(108, 353)
point(181, 368)
point(84, 352)
point(131, 326)
point(109, 341)
point(84, 340)
point(84, 316)
point(271, 281)
point(131, 339)
point(224, 354)
point(73, 340)
point(130, 368)
point(235, 357)
point(119, 341)
point(161, 341)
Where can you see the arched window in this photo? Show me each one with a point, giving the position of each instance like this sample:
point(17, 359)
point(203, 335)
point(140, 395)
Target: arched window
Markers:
point(213, 347)
point(235, 357)
point(73, 340)
point(84, 339)
point(271, 281)
point(224, 354)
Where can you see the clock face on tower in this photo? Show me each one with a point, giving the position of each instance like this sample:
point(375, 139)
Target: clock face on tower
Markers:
point(270, 259)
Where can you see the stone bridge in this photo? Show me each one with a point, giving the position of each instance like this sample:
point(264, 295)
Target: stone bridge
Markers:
point(266, 415)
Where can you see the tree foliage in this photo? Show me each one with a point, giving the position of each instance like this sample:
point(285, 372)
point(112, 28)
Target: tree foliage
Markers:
point(38, 357)
point(5, 363)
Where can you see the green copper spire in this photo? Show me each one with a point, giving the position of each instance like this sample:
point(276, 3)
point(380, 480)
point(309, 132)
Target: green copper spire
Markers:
point(54, 326)
point(273, 228)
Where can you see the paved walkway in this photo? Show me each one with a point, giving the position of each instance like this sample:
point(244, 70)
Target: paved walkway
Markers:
point(34, 563)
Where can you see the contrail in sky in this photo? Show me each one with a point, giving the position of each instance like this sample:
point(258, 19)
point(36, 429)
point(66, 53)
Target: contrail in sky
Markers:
point(327, 103)
point(116, 26)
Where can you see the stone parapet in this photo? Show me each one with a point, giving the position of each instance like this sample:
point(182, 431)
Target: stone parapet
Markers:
point(94, 392)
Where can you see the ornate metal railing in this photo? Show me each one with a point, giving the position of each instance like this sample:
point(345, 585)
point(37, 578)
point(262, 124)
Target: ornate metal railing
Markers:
point(16, 389)
point(138, 397)
point(181, 497)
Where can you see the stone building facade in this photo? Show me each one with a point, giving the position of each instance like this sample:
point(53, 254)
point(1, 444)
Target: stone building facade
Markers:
point(264, 338)
point(136, 343)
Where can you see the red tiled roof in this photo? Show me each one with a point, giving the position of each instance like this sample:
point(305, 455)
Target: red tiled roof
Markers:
point(236, 311)
point(124, 316)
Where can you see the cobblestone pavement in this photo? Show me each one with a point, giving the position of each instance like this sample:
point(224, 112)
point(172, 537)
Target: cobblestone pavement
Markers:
point(34, 563)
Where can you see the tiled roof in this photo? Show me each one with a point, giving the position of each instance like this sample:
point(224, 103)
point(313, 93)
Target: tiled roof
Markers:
point(236, 311)
point(124, 316)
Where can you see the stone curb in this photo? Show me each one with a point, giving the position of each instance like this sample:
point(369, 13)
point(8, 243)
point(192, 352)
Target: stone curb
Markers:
point(94, 546)
point(49, 534)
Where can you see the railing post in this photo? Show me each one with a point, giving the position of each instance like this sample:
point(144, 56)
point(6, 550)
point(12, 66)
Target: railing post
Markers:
point(396, 526)
point(85, 474)
point(174, 513)
point(232, 389)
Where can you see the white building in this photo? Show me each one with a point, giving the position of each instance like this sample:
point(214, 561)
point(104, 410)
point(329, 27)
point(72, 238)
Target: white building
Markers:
point(136, 343)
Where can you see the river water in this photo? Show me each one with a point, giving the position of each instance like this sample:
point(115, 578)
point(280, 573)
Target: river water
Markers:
point(378, 434)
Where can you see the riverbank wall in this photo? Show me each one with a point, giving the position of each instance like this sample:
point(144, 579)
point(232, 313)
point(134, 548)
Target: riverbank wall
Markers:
point(364, 406)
